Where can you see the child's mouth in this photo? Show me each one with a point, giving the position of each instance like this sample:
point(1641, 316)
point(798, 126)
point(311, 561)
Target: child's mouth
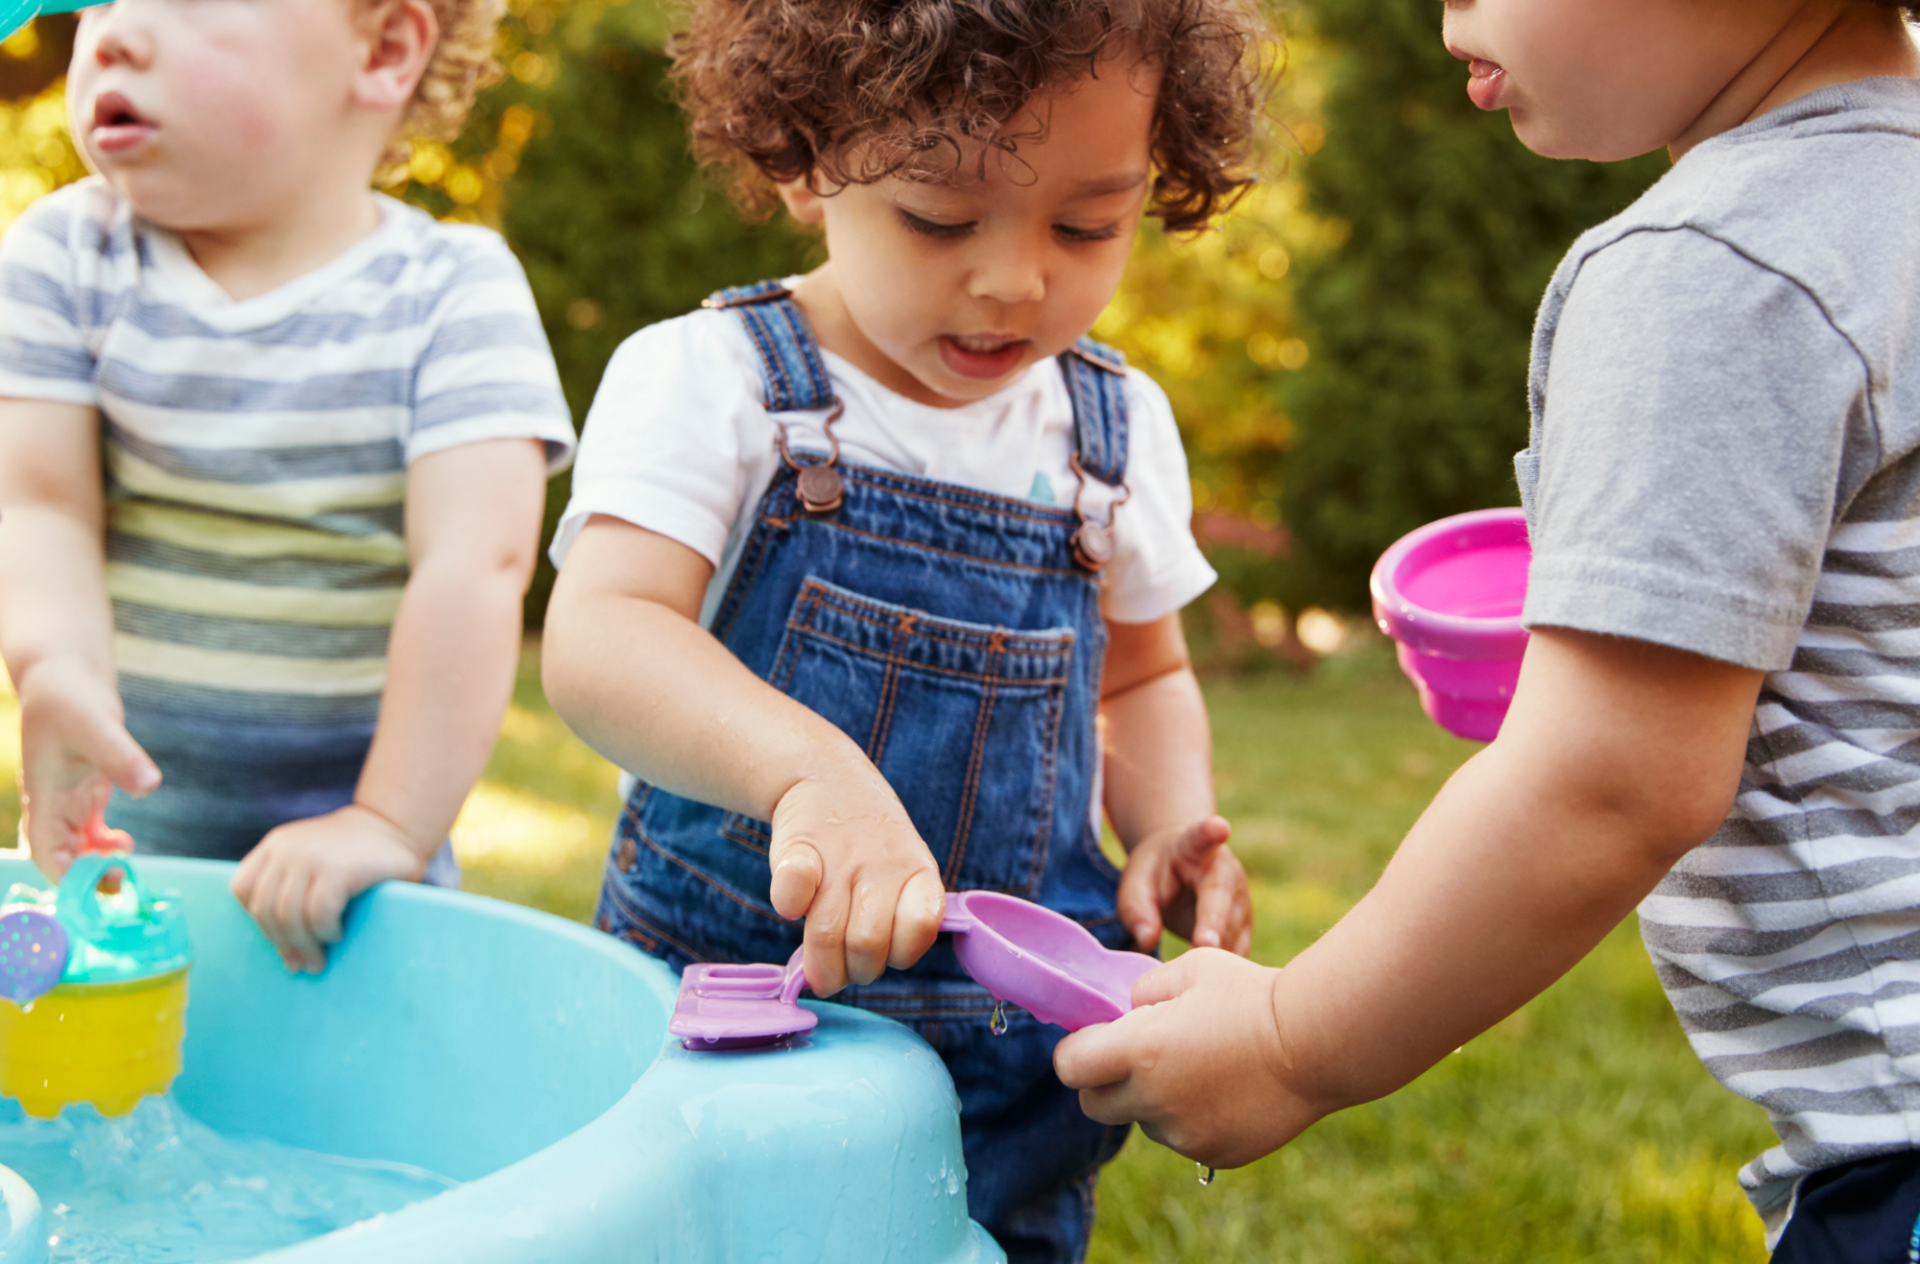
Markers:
point(1485, 79)
point(117, 126)
point(982, 355)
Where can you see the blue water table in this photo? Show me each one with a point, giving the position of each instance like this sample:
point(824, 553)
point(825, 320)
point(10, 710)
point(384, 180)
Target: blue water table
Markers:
point(529, 1057)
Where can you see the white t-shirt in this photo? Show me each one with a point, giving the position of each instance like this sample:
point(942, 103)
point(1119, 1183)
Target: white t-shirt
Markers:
point(679, 441)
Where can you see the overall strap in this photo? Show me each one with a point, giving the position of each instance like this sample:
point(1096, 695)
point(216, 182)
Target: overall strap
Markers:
point(796, 376)
point(1097, 381)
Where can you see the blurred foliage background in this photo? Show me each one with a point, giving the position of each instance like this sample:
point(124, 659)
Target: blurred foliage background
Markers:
point(1346, 351)
point(1347, 354)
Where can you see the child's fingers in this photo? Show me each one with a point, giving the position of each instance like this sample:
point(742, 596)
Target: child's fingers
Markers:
point(916, 920)
point(263, 899)
point(1197, 842)
point(826, 941)
point(290, 911)
point(111, 749)
point(870, 929)
point(1166, 982)
point(797, 874)
point(1100, 1057)
point(247, 877)
point(1222, 908)
point(1138, 903)
point(326, 903)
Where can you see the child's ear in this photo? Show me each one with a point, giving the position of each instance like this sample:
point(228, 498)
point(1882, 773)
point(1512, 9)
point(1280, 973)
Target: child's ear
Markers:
point(804, 202)
point(397, 39)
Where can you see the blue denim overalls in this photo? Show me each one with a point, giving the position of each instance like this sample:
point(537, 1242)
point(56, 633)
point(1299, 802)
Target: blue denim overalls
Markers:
point(957, 636)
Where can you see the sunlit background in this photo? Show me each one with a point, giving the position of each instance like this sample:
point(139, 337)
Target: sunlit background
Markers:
point(1346, 353)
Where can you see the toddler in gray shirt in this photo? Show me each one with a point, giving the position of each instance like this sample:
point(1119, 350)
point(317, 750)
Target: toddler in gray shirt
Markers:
point(1719, 712)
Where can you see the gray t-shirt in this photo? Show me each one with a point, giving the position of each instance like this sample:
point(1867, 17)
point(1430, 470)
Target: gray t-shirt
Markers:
point(1726, 412)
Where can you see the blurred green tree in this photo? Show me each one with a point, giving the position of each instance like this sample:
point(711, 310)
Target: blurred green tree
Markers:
point(1414, 398)
point(580, 157)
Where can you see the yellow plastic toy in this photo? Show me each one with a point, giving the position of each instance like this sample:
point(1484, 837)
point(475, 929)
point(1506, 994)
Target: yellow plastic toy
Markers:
point(94, 988)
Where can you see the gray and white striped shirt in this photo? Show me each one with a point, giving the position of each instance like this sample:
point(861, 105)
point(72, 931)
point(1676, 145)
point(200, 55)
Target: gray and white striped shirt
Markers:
point(1725, 458)
point(256, 456)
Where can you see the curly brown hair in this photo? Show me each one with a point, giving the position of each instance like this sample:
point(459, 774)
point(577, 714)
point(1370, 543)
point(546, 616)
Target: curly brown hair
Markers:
point(858, 90)
point(461, 65)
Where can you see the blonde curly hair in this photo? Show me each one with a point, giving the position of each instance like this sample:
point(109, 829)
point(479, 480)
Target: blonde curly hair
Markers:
point(462, 64)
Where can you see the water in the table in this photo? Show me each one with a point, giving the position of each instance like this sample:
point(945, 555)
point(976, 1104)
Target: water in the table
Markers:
point(158, 1186)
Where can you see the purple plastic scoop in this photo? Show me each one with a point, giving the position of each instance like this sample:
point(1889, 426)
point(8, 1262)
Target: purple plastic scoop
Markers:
point(1047, 964)
point(1023, 954)
point(738, 1007)
point(33, 954)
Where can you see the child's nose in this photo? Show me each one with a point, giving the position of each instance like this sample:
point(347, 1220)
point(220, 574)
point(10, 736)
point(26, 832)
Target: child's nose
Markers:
point(1011, 272)
point(120, 37)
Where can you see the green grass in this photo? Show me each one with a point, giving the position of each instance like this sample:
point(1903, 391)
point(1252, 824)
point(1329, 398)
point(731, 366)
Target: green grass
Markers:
point(1582, 1128)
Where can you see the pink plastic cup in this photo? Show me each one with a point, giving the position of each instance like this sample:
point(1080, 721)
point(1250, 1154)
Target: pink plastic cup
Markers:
point(1450, 594)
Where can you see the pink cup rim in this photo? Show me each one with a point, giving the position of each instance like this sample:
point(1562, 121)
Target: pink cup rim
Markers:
point(1431, 631)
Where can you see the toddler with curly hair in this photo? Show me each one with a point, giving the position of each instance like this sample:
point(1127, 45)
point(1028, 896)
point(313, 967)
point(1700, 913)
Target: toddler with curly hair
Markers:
point(273, 450)
point(873, 575)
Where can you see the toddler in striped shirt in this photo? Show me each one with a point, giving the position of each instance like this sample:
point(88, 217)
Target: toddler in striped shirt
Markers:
point(273, 451)
point(1718, 717)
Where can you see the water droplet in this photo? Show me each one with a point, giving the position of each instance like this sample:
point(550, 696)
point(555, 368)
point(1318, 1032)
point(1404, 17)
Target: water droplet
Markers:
point(998, 1024)
point(27, 1008)
point(1206, 1174)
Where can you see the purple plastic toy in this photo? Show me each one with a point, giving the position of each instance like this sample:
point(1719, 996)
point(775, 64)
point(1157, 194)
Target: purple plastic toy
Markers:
point(33, 954)
point(1023, 954)
point(1450, 595)
point(737, 1007)
point(1047, 964)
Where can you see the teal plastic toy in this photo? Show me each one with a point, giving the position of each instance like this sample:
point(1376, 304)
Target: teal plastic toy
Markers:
point(530, 1057)
point(95, 988)
point(15, 14)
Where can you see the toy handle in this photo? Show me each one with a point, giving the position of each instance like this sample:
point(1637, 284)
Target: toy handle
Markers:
point(79, 900)
point(796, 977)
point(957, 921)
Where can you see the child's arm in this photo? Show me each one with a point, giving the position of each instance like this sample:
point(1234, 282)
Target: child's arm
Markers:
point(1616, 758)
point(629, 668)
point(56, 628)
point(473, 527)
point(1159, 794)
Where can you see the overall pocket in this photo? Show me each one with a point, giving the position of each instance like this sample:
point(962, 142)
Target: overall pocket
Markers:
point(963, 720)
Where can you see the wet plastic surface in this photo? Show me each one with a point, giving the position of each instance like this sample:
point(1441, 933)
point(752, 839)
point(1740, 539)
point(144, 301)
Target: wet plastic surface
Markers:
point(529, 1057)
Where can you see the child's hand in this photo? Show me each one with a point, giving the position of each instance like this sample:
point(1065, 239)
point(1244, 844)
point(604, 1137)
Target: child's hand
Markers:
point(1198, 1063)
point(74, 748)
point(1189, 882)
point(845, 856)
point(297, 882)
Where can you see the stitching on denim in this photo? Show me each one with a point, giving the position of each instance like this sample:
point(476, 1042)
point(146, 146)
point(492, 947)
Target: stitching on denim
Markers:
point(711, 881)
point(1050, 643)
point(887, 481)
point(1096, 391)
point(672, 941)
point(745, 830)
point(1050, 758)
point(798, 629)
point(889, 691)
point(963, 826)
point(1036, 683)
point(746, 568)
point(829, 524)
point(778, 388)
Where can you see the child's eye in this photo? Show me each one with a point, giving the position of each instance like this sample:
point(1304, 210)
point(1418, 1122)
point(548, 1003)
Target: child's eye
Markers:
point(928, 228)
point(1106, 232)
